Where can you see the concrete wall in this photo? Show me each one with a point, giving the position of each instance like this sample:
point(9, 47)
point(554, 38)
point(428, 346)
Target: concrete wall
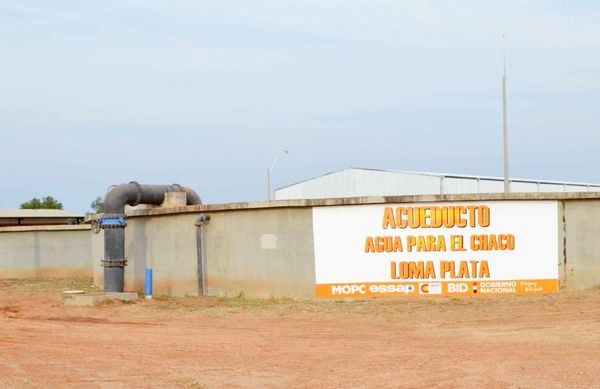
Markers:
point(266, 249)
point(45, 251)
point(258, 249)
point(167, 244)
point(260, 253)
point(582, 244)
point(257, 253)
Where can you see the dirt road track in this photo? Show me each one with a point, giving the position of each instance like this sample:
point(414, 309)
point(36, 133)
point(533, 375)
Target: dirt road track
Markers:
point(527, 342)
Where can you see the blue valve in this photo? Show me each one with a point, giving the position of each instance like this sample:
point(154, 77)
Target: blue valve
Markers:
point(112, 222)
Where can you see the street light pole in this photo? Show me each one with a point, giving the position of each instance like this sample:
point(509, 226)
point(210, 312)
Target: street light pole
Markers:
point(270, 171)
point(505, 117)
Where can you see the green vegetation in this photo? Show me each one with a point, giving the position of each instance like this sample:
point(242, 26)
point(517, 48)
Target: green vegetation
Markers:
point(97, 205)
point(47, 202)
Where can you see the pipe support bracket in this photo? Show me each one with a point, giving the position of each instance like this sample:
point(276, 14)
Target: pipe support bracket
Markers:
point(114, 263)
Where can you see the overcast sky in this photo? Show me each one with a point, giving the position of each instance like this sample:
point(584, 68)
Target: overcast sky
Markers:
point(204, 93)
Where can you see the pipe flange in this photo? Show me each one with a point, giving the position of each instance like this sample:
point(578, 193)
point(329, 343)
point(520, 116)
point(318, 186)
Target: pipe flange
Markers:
point(109, 226)
point(139, 193)
point(113, 263)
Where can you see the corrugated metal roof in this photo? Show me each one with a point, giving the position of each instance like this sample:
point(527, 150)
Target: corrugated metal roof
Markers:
point(37, 213)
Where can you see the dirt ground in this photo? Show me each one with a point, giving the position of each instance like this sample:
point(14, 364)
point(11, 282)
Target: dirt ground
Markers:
point(526, 342)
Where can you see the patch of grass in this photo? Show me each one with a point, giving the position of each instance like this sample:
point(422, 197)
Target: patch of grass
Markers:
point(29, 286)
point(196, 385)
point(220, 306)
point(190, 384)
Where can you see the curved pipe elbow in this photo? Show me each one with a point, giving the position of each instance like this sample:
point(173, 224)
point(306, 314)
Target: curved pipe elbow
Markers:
point(192, 198)
point(119, 196)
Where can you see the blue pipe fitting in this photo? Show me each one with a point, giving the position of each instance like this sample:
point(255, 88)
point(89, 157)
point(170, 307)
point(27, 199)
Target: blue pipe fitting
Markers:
point(112, 222)
point(148, 283)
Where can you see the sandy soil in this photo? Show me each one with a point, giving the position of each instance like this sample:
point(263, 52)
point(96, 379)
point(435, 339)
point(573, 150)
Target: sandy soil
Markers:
point(515, 342)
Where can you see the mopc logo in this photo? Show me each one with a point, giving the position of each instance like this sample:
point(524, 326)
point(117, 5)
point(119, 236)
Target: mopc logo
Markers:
point(430, 288)
point(348, 289)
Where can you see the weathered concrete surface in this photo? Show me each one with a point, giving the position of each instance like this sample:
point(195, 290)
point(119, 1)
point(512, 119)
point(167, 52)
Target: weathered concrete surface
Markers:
point(174, 199)
point(265, 249)
point(97, 256)
point(582, 240)
point(260, 253)
point(168, 245)
point(82, 300)
point(45, 251)
point(562, 270)
point(91, 299)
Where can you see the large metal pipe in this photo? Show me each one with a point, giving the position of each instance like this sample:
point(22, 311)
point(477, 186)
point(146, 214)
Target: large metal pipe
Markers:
point(114, 222)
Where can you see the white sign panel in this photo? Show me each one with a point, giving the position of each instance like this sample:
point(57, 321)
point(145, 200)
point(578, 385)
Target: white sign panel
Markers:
point(471, 248)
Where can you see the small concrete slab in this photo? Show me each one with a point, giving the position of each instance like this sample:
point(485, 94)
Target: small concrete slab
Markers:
point(80, 299)
point(121, 296)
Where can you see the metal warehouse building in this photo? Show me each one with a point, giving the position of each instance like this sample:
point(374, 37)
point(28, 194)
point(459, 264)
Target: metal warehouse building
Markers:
point(356, 182)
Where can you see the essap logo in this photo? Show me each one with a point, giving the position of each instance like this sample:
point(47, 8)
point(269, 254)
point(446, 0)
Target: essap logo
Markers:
point(430, 288)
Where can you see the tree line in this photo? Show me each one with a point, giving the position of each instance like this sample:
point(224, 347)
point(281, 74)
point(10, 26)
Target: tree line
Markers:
point(49, 202)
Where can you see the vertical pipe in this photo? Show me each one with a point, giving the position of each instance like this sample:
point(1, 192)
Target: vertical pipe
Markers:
point(114, 261)
point(148, 283)
point(200, 223)
point(200, 255)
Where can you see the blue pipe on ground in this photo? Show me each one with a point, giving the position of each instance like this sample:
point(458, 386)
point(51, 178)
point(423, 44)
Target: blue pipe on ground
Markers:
point(148, 283)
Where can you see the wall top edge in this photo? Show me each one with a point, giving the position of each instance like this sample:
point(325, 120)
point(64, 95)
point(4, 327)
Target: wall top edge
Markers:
point(307, 203)
point(45, 228)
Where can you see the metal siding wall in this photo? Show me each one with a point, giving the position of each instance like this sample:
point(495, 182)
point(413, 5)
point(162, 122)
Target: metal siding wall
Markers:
point(328, 186)
point(355, 182)
point(362, 182)
point(551, 187)
point(576, 188)
point(490, 186)
point(291, 192)
point(421, 184)
point(455, 185)
point(517, 187)
point(375, 183)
